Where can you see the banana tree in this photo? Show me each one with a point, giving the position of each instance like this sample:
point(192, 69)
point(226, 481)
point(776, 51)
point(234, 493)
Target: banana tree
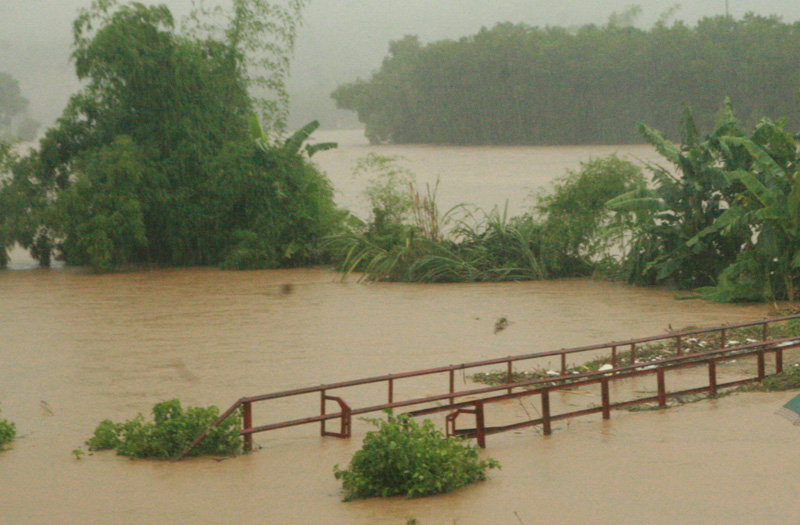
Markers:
point(294, 143)
point(768, 266)
point(684, 199)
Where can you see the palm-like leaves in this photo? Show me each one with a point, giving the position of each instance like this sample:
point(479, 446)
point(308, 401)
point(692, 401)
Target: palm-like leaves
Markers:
point(294, 143)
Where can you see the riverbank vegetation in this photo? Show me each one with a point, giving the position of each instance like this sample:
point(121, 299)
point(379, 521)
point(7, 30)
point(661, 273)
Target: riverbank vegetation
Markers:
point(721, 217)
point(170, 433)
point(569, 232)
point(517, 84)
point(157, 161)
point(724, 218)
point(161, 160)
point(404, 458)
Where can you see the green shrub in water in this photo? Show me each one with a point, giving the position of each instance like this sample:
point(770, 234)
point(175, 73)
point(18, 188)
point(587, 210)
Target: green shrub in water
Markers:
point(170, 433)
point(7, 432)
point(405, 458)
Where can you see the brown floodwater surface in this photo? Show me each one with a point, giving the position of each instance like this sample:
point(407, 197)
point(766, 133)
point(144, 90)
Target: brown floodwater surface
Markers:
point(77, 348)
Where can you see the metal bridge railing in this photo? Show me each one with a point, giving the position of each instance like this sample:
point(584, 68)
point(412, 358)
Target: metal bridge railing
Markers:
point(561, 380)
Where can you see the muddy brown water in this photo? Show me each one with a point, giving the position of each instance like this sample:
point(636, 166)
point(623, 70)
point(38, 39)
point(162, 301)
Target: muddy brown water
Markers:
point(76, 348)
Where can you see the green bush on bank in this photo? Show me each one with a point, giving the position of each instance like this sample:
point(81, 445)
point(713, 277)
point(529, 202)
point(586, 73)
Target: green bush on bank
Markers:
point(403, 458)
point(170, 433)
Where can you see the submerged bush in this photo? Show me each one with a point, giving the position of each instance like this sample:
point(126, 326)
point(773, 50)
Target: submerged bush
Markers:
point(7, 432)
point(403, 458)
point(172, 430)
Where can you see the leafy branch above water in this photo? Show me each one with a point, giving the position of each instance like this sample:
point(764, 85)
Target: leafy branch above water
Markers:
point(170, 433)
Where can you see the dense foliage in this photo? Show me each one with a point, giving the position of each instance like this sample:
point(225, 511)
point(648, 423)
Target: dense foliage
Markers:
point(170, 433)
point(569, 232)
point(725, 217)
point(403, 458)
point(7, 432)
point(155, 160)
point(516, 84)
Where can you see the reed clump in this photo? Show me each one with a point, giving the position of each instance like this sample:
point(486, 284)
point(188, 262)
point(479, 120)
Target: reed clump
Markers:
point(407, 238)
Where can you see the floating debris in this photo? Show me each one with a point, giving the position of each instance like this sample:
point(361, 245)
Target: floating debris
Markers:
point(46, 407)
point(500, 324)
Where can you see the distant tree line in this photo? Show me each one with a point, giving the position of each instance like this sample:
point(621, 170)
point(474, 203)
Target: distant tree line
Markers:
point(516, 84)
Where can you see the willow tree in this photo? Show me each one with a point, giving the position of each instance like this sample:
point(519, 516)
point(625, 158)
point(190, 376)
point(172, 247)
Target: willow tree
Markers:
point(153, 162)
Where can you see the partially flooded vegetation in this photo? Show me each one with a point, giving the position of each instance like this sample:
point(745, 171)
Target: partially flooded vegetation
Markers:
point(406, 458)
point(8, 430)
point(170, 433)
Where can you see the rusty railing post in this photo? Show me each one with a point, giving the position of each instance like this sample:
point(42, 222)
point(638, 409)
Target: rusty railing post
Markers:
point(765, 331)
point(712, 377)
point(606, 398)
point(480, 429)
point(510, 373)
point(614, 356)
point(546, 412)
point(761, 371)
point(722, 338)
point(247, 424)
point(563, 364)
point(391, 390)
point(633, 353)
point(452, 384)
point(778, 360)
point(662, 391)
point(322, 412)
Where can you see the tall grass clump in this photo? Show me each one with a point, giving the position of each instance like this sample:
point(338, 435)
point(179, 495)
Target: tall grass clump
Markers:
point(404, 458)
point(170, 433)
point(568, 232)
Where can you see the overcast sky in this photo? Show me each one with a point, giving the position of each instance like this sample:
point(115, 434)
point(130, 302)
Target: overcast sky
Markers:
point(339, 41)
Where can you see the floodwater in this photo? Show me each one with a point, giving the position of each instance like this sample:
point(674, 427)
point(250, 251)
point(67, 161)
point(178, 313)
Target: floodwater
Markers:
point(77, 348)
point(487, 177)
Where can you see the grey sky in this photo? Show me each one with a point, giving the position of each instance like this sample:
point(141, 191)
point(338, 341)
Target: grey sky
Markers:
point(339, 41)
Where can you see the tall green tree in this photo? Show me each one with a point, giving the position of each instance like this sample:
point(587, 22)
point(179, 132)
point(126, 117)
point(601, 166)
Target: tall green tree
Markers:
point(152, 162)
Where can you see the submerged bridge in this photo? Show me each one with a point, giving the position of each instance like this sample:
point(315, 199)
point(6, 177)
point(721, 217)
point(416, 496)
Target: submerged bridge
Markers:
point(657, 357)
